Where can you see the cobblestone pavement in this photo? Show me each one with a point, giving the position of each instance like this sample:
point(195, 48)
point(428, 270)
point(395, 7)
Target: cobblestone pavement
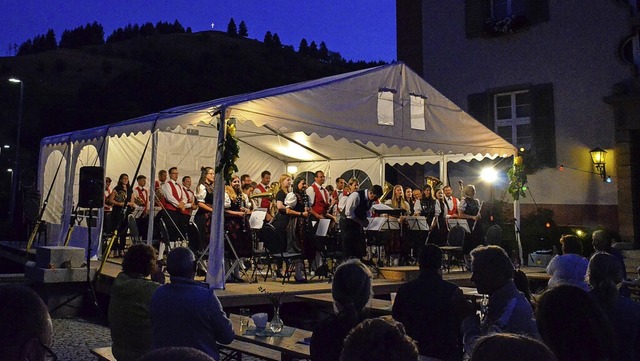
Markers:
point(74, 337)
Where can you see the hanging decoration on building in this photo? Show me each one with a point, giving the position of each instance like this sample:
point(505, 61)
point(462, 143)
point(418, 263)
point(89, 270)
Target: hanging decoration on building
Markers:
point(517, 178)
point(230, 152)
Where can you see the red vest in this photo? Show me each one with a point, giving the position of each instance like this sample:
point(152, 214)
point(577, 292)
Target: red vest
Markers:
point(320, 206)
point(453, 211)
point(264, 201)
point(170, 206)
point(143, 195)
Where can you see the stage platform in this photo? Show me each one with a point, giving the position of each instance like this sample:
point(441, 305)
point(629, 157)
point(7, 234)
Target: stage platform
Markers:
point(248, 294)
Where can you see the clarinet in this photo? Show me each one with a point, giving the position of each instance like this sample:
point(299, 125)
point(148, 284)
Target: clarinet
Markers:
point(240, 203)
point(305, 201)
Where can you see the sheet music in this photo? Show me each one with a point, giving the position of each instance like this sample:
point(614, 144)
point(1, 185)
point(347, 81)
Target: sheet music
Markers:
point(381, 206)
point(323, 227)
point(375, 223)
point(452, 222)
point(417, 223)
point(257, 218)
point(390, 224)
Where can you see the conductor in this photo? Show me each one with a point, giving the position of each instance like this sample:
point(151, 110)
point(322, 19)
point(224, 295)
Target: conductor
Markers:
point(355, 218)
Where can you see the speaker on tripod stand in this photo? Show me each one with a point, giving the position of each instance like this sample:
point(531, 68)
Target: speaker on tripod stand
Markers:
point(90, 195)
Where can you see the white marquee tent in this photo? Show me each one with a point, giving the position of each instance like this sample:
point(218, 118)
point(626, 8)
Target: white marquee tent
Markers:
point(359, 120)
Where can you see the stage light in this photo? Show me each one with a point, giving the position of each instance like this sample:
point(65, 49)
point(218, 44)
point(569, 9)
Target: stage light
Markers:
point(580, 233)
point(561, 167)
point(489, 175)
point(292, 169)
point(548, 225)
point(609, 180)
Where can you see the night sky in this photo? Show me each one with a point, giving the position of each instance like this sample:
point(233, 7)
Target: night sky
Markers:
point(357, 29)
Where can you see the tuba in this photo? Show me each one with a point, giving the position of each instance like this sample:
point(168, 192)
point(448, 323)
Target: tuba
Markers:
point(434, 182)
point(268, 194)
point(121, 196)
point(388, 187)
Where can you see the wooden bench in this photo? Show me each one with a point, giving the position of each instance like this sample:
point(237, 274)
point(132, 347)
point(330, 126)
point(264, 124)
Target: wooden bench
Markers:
point(103, 353)
point(236, 349)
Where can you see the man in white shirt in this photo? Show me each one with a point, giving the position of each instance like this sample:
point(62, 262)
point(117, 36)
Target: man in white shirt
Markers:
point(263, 187)
point(319, 199)
point(356, 208)
point(175, 201)
point(450, 202)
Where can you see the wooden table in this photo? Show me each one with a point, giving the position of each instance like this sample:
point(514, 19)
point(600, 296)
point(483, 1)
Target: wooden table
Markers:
point(375, 305)
point(287, 346)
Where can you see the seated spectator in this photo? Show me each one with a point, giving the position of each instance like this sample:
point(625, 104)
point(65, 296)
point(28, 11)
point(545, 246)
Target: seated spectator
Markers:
point(176, 353)
point(425, 307)
point(351, 290)
point(602, 242)
point(26, 331)
point(605, 275)
point(508, 309)
point(570, 267)
point(508, 347)
point(573, 326)
point(129, 317)
point(186, 313)
point(379, 339)
point(521, 281)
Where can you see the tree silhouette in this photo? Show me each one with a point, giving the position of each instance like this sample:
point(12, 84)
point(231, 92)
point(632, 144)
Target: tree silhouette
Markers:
point(303, 49)
point(313, 49)
point(268, 39)
point(276, 41)
point(323, 52)
point(232, 29)
point(242, 30)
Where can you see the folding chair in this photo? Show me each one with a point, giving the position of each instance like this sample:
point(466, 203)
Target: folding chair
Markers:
point(452, 252)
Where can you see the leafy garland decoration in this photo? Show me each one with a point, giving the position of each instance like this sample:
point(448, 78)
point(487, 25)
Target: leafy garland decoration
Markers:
point(230, 153)
point(517, 179)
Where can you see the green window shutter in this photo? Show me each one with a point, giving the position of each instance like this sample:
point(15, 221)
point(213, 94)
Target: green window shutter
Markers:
point(480, 106)
point(537, 11)
point(475, 15)
point(543, 124)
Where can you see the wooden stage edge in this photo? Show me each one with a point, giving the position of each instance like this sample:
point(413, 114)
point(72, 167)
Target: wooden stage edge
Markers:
point(248, 294)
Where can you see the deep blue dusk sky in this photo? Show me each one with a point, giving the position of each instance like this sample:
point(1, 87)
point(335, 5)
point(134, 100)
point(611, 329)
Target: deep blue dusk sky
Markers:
point(357, 29)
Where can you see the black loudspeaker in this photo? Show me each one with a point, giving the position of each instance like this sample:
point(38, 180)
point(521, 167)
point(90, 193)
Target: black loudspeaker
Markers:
point(91, 192)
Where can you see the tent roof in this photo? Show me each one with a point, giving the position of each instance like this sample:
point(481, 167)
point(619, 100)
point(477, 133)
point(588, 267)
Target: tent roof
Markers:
point(332, 118)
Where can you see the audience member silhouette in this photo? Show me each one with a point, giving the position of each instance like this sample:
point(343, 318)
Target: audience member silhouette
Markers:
point(569, 268)
point(351, 291)
point(602, 241)
point(379, 339)
point(425, 307)
point(509, 347)
point(186, 313)
point(26, 331)
point(129, 317)
point(507, 309)
point(573, 326)
point(521, 281)
point(604, 276)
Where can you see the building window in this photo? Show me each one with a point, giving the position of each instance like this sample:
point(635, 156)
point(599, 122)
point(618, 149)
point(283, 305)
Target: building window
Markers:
point(385, 107)
point(417, 112)
point(363, 178)
point(501, 9)
point(512, 113)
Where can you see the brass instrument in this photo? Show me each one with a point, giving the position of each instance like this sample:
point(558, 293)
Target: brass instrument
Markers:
point(268, 194)
point(434, 182)
point(388, 187)
point(120, 196)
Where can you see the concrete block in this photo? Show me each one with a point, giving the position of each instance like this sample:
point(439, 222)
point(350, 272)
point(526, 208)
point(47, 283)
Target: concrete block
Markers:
point(59, 275)
point(60, 257)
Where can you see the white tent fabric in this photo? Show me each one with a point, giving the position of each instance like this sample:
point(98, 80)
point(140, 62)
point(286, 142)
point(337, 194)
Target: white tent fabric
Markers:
point(331, 124)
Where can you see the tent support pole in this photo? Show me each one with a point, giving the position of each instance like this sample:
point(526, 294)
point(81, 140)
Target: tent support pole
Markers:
point(215, 267)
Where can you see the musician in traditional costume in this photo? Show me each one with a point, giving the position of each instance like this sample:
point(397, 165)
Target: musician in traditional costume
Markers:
point(450, 202)
point(426, 204)
point(263, 187)
point(319, 201)
point(395, 244)
point(351, 187)
point(204, 199)
point(438, 225)
point(141, 199)
point(162, 179)
point(120, 199)
point(176, 215)
point(248, 190)
point(236, 224)
point(191, 197)
point(356, 209)
point(469, 209)
point(408, 196)
point(107, 228)
point(245, 179)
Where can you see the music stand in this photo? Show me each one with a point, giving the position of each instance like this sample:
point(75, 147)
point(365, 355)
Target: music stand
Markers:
point(417, 223)
point(452, 222)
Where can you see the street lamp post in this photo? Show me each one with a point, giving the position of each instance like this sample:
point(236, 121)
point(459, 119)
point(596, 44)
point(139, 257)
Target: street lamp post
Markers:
point(16, 170)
